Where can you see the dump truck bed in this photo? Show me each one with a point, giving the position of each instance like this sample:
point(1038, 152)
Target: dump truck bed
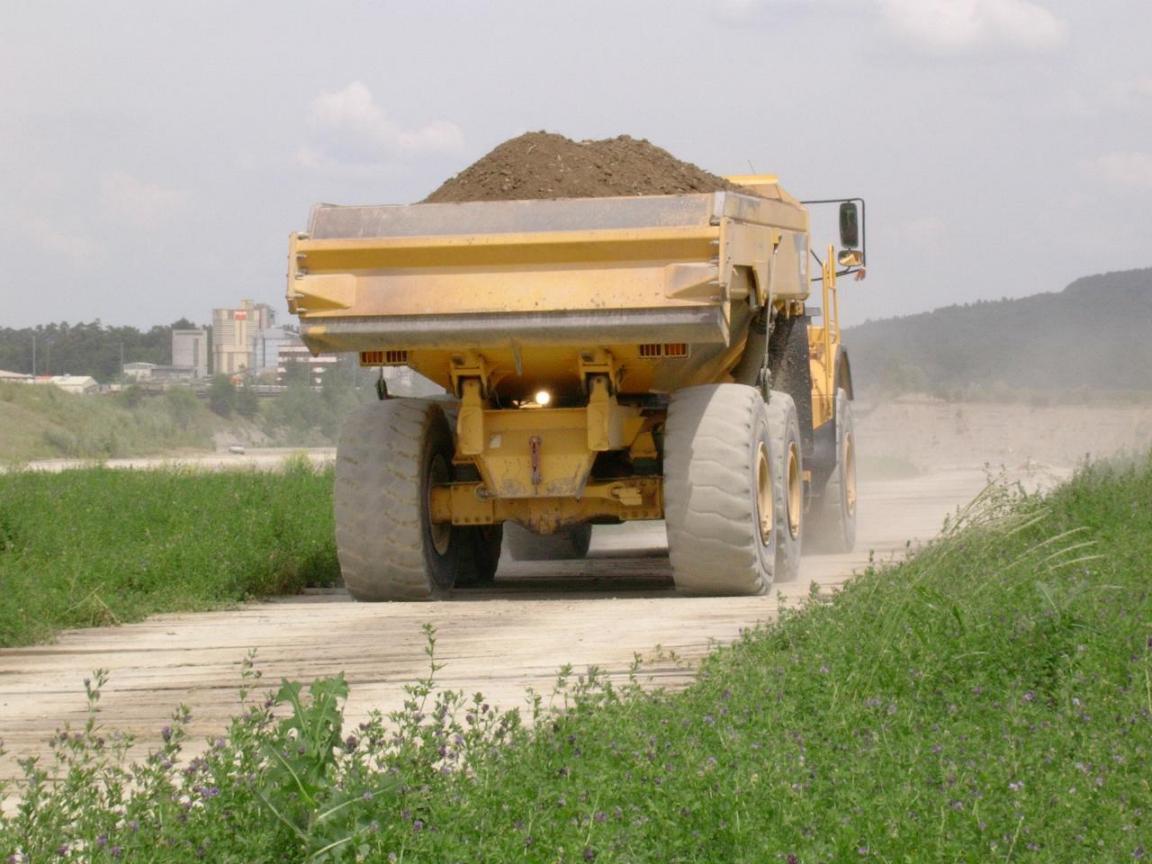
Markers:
point(417, 283)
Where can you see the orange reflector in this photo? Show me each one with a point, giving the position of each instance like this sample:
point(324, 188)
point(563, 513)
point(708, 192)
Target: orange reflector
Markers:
point(654, 350)
point(383, 358)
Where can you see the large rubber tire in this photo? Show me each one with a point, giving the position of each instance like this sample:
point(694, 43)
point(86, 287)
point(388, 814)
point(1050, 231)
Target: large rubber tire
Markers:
point(389, 455)
point(567, 544)
point(788, 482)
point(717, 487)
point(834, 511)
point(478, 565)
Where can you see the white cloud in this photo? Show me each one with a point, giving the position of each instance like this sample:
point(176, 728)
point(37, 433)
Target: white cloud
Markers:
point(926, 233)
point(1129, 95)
point(349, 128)
point(954, 27)
point(52, 240)
point(741, 12)
point(136, 201)
point(1131, 169)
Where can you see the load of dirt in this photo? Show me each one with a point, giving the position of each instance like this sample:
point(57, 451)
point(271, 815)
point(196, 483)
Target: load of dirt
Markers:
point(546, 165)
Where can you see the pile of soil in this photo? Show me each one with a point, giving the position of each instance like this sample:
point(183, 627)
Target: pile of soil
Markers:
point(545, 165)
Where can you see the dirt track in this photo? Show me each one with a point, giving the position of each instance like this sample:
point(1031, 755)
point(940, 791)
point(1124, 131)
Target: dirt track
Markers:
point(517, 634)
point(499, 640)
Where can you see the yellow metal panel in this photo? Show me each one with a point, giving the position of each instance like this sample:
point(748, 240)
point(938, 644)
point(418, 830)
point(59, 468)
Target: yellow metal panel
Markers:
point(629, 499)
point(638, 285)
point(565, 442)
point(486, 250)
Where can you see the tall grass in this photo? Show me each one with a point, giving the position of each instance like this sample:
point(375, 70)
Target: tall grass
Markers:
point(39, 422)
point(991, 700)
point(98, 546)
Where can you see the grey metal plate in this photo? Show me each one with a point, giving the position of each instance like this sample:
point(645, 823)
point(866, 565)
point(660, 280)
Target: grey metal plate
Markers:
point(331, 221)
point(696, 324)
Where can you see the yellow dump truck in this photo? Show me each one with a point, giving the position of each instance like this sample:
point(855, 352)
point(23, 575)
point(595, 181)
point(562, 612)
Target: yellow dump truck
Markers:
point(605, 360)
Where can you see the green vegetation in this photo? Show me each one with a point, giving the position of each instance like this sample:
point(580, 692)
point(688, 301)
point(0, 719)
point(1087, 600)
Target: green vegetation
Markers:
point(38, 422)
point(226, 399)
point(302, 415)
point(98, 546)
point(1089, 341)
point(94, 348)
point(989, 700)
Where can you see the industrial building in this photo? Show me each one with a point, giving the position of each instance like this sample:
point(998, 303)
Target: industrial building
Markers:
point(233, 336)
point(190, 351)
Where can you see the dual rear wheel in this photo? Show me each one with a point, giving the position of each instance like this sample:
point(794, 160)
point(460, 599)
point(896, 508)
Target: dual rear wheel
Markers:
point(834, 508)
point(733, 489)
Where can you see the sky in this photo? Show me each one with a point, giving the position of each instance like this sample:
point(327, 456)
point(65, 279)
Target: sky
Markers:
point(154, 156)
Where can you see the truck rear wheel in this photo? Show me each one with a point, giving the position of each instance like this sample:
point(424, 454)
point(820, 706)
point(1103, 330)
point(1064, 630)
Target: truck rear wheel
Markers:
point(834, 514)
point(719, 493)
point(390, 455)
point(788, 477)
point(566, 544)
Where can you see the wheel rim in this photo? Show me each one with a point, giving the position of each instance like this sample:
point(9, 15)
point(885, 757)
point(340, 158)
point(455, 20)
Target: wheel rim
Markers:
point(764, 504)
point(795, 491)
point(850, 474)
point(439, 532)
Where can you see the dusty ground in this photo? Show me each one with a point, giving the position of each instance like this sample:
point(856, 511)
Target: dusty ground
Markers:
point(222, 460)
point(537, 617)
point(917, 434)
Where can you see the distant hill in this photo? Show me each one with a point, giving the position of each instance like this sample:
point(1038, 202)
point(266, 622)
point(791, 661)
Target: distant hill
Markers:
point(1092, 337)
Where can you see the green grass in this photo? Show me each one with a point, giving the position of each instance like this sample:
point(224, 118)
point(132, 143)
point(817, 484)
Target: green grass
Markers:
point(98, 546)
point(989, 701)
point(41, 422)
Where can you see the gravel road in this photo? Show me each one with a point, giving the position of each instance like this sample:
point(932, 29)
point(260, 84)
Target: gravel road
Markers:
point(499, 640)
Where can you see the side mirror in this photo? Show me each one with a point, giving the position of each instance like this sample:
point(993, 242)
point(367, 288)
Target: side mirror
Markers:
point(849, 225)
point(850, 258)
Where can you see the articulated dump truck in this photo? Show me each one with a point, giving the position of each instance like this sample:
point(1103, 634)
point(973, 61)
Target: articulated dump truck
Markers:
point(605, 360)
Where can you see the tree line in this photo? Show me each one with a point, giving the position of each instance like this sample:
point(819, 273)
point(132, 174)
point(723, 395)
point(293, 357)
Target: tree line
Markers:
point(92, 348)
point(1091, 338)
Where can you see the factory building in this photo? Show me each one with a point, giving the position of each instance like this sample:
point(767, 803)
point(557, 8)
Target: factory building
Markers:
point(190, 351)
point(234, 336)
